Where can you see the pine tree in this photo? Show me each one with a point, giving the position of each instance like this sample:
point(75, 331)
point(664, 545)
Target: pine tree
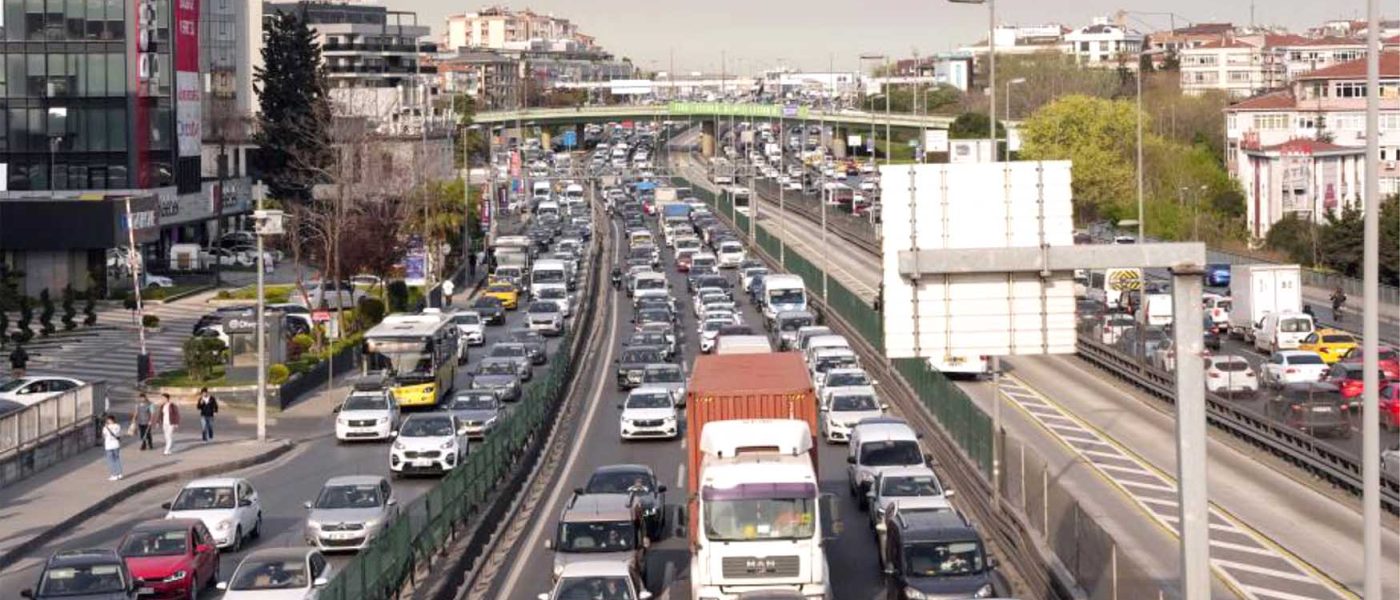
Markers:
point(46, 327)
point(26, 318)
point(69, 324)
point(295, 109)
point(90, 307)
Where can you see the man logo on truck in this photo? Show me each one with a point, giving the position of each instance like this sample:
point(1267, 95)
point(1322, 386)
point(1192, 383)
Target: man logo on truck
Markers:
point(759, 566)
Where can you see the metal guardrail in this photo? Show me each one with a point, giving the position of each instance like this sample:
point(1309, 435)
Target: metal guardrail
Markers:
point(1296, 447)
point(51, 417)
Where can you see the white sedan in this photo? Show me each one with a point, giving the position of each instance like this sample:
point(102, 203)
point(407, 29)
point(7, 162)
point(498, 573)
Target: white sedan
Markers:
point(1293, 366)
point(33, 390)
point(278, 574)
point(228, 506)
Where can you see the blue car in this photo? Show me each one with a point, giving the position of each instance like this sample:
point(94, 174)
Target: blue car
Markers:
point(1217, 275)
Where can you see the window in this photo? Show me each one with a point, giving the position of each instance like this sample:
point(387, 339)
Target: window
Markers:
point(1269, 121)
point(1240, 76)
point(1231, 122)
point(1306, 122)
point(1351, 89)
point(1390, 122)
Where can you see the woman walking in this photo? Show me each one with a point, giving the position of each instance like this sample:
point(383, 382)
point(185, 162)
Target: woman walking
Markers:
point(112, 446)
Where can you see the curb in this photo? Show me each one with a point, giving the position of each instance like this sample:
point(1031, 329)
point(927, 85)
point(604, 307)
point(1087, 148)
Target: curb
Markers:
point(133, 488)
point(183, 295)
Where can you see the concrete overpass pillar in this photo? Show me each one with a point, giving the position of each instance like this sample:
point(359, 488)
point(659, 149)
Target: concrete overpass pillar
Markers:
point(707, 139)
point(546, 141)
point(838, 143)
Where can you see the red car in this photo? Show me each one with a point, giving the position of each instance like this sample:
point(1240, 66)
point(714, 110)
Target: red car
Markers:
point(1388, 358)
point(1390, 406)
point(175, 558)
point(683, 261)
point(1348, 379)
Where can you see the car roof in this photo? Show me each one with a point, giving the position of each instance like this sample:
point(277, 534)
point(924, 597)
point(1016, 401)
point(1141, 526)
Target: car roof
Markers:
point(934, 525)
point(164, 524)
point(599, 507)
point(296, 552)
point(1288, 353)
point(354, 480)
point(884, 428)
point(214, 482)
point(85, 556)
point(596, 568)
point(625, 468)
point(907, 471)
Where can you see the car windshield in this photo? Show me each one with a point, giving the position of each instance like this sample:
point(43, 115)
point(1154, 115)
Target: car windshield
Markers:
point(596, 536)
point(910, 485)
point(651, 283)
point(795, 324)
point(662, 376)
point(649, 400)
point(847, 378)
point(82, 581)
point(431, 427)
point(500, 289)
point(890, 453)
point(1295, 325)
point(496, 368)
point(487, 302)
point(1232, 365)
point(938, 559)
point(466, 319)
point(1338, 339)
point(366, 402)
point(548, 276)
point(155, 543)
point(270, 574)
point(851, 402)
point(543, 307)
point(593, 588)
point(552, 293)
point(640, 357)
point(715, 324)
point(654, 315)
point(750, 518)
point(361, 495)
point(786, 297)
point(203, 498)
point(507, 351)
point(619, 482)
point(1304, 359)
point(474, 402)
point(835, 362)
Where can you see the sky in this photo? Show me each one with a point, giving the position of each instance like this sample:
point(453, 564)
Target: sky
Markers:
point(752, 35)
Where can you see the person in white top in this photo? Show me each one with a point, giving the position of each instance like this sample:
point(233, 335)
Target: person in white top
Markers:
point(169, 421)
point(112, 446)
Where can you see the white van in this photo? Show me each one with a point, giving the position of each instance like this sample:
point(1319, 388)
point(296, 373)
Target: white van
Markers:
point(573, 194)
point(1282, 331)
point(876, 445)
point(817, 342)
point(742, 344)
point(540, 190)
point(782, 293)
point(1156, 310)
point(548, 273)
point(547, 209)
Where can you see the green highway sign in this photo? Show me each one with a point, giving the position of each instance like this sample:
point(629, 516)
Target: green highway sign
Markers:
point(768, 111)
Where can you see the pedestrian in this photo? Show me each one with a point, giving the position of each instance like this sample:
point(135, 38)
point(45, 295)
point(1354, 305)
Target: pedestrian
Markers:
point(1339, 298)
point(141, 418)
point(208, 407)
point(112, 446)
point(169, 421)
point(471, 265)
point(19, 359)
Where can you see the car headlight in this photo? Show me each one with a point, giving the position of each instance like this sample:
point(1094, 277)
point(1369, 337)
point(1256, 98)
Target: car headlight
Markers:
point(985, 591)
point(341, 420)
point(371, 524)
point(913, 594)
point(398, 445)
point(176, 576)
point(382, 420)
point(448, 445)
point(224, 525)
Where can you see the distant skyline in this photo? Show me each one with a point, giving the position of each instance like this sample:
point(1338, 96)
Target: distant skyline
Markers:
point(760, 34)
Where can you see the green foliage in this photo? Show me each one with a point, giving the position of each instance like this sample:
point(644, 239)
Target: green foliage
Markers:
point(398, 296)
point(26, 320)
point(1097, 135)
point(369, 312)
point(294, 117)
point(150, 321)
point(278, 373)
point(1295, 237)
point(939, 98)
point(202, 355)
point(90, 308)
point(1336, 243)
point(69, 312)
point(300, 343)
point(129, 301)
point(46, 313)
point(271, 293)
point(4, 327)
point(1340, 241)
point(973, 126)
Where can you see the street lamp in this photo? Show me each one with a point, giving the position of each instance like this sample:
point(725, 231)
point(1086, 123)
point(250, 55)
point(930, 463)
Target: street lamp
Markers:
point(265, 223)
point(1016, 81)
point(991, 61)
point(872, 97)
point(1142, 216)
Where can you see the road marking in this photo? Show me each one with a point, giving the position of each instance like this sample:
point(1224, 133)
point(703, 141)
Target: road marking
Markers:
point(680, 477)
point(532, 540)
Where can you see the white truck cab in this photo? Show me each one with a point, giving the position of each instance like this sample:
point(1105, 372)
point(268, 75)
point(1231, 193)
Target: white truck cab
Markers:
point(782, 292)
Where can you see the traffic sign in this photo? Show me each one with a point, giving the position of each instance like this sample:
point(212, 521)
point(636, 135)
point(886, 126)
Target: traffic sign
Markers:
point(1124, 280)
point(570, 139)
point(320, 316)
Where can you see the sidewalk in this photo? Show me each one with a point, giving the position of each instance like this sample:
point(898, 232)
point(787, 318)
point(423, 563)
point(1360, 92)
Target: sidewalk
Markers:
point(47, 505)
point(1321, 302)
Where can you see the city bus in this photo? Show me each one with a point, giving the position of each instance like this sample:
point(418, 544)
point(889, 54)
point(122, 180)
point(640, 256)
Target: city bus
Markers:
point(419, 353)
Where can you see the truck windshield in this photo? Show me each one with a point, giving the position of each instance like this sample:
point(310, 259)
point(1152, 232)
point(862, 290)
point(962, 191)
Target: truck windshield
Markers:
point(890, 453)
point(547, 276)
point(760, 512)
point(786, 297)
point(938, 559)
point(601, 536)
point(651, 284)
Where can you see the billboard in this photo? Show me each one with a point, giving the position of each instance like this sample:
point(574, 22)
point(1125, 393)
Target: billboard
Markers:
point(976, 206)
point(188, 121)
point(630, 87)
point(971, 151)
point(935, 140)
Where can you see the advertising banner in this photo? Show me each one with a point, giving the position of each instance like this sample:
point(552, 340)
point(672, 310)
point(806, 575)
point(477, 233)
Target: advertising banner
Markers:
point(188, 119)
point(415, 268)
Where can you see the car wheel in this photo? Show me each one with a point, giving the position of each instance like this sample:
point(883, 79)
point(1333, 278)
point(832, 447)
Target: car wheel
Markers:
point(237, 540)
point(257, 527)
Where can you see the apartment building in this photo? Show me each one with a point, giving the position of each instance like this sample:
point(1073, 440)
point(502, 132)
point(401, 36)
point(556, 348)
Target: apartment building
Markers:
point(500, 28)
point(1104, 44)
point(1310, 132)
point(1239, 67)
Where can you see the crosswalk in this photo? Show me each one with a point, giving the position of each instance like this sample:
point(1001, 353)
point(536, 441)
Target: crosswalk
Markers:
point(109, 352)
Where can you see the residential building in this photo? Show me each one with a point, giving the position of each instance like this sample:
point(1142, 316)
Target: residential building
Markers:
point(1015, 39)
point(1104, 44)
point(500, 28)
point(1173, 41)
point(946, 68)
point(1302, 176)
point(492, 79)
point(1328, 106)
point(1237, 66)
point(1301, 55)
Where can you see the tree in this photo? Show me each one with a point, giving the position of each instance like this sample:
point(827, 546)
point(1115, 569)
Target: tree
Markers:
point(1340, 241)
point(202, 355)
point(26, 319)
point(69, 324)
point(90, 307)
point(973, 126)
point(46, 327)
point(1295, 237)
point(294, 107)
point(1098, 136)
point(398, 296)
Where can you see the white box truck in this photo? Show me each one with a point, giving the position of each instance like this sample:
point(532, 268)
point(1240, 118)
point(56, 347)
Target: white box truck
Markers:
point(1260, 289)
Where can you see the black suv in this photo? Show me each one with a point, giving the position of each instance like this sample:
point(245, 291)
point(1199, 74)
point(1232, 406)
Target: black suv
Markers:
point(84, 575)
point(637, 480)
point(935, 553)
point(1314, 407)
point(631, 364)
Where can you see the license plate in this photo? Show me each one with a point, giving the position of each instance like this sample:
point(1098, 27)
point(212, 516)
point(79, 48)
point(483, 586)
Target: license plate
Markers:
point(423, 463)
point(1322, 409)
point(340, 535)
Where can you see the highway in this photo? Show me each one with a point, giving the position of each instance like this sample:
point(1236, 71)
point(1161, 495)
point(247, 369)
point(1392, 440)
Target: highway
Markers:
point(1269, 499)
point(526, 571)
point(282, 485)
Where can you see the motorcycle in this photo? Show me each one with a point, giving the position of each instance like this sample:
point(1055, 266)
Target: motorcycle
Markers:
point(616, 278)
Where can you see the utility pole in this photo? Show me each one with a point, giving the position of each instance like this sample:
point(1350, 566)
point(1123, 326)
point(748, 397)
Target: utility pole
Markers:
point(1370, 320)
point(137, 272)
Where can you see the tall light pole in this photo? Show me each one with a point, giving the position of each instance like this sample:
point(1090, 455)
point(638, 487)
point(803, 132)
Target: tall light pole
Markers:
point(1142, 216)
point(1016, 81)
point(991, 65)
point(885, 92)
point(1370, 324)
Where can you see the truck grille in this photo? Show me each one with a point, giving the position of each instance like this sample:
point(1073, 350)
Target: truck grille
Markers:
point(743, 567)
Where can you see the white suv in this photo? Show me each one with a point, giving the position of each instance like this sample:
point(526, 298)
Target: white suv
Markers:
point(366, 414)
point(649, 412)
point(428, 443)
point(470, 326)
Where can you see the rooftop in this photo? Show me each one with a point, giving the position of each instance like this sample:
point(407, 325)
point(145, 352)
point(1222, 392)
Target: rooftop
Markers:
point(1308, 146)
point(1356, 69)
point(1276, 100)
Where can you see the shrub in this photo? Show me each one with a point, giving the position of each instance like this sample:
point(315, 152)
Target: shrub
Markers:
point(300, 343)
point(398, 296)
point(129, 301)
point(202, 355)
point(278, 373)
point(26, 318)
point(150, 321)
point(90, 307)
point(46, 313)
point(69, 324)
point(369, 312)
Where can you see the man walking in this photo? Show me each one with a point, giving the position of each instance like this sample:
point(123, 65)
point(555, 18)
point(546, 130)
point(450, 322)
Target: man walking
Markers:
point(19, 359)
point(112, 447)
point(208, 407)
point(141, 417)
point(169, 421)
point(1338, 298)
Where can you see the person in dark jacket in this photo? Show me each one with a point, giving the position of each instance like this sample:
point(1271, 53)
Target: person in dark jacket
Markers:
point(19, 359)
point(208, 407)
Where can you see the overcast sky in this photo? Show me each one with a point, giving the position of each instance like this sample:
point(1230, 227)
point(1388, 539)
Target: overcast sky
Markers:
point(810, 34)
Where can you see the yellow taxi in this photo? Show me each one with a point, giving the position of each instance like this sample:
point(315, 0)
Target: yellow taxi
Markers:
point(1330, 344)
point(506, 293)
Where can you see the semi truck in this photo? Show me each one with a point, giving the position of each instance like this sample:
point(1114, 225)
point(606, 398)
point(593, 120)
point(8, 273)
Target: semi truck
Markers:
point(1260, 289)
point(757, 519)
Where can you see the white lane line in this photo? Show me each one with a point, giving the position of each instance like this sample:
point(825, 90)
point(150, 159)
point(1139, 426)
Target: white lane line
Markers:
point(1248, 568)
point(680, 477)
point(1259, 592)
point(1117, 455)
point(1157, 501)
point(1242, 548)
point(1150, 486)
point(541, 518)
point(1133, 470)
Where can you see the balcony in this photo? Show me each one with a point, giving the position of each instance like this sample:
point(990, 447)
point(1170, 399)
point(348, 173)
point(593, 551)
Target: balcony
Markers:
point(373, 47)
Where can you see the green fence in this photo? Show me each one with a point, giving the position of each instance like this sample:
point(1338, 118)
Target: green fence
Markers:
point(428, 523)
point(966, 423)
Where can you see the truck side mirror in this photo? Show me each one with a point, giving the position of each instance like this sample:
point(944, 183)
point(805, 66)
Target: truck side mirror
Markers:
point(850, 460)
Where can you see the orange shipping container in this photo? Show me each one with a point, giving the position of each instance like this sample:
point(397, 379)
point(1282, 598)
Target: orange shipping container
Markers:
point(746, 386)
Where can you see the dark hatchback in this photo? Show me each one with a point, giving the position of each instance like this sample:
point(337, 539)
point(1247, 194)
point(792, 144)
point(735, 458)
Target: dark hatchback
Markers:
point(97, 574)
point(491, 310)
